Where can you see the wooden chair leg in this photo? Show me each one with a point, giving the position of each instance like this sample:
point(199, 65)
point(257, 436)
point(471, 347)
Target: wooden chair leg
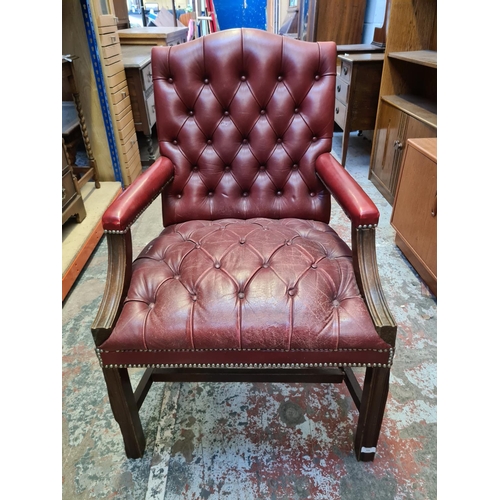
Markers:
point(371, 412)
point(125, 411)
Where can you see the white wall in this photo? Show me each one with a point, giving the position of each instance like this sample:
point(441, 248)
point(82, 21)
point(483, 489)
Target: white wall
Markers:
point(374, 18)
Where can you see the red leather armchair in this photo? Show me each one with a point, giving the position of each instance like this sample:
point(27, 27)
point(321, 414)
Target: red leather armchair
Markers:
point(247, 281)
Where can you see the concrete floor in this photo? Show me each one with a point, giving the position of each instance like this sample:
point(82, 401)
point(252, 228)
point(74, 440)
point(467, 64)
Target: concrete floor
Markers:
point(232, 441)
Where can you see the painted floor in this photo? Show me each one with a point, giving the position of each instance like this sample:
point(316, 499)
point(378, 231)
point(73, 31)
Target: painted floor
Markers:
point(256, 441)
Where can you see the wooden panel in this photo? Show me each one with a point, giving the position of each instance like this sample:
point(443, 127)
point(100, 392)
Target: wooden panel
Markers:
point(390, 121)
point(340, 21)
point(415, 206)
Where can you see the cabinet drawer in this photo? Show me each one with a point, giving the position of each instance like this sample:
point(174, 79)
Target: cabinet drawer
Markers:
point(109, 39)
point(147, 77)
point(68, 188)
point(346, 70)
point(340, 114)
point(150, 105)
point(341, 90)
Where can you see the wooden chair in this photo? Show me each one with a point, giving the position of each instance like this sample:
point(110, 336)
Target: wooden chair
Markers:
point(247, 281)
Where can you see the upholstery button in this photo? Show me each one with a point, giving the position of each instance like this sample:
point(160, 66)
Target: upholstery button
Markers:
point(242, 241)
point(191, 112)
point(179, 196)
point(170, 80)
point(316, 77)
point(244, 194)
point(217, 265)
point(205, 80)
point(292, 292)
point(227, 168)
point(241, 295)
point(210, 193)
point(243, 78)
point(280, 78)
point(244, 141)
point(177, 276)
point(295, 166)
point(336, 303)
point(262, 111)
point(197, 245)
point(151, 305)
point(265, 265)
point(194, 297)
point(278, 193)
point(312, 194)
point(314, 139)
point(296, 110)
point(195, 167)
point(279, 140)
point(288, 242)
point(314, 265)
point(262, 167)
point(174, 142)
point(226, 113)
point(209, 141)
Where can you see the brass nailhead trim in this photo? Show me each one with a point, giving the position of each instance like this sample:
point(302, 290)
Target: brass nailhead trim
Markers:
point(123, 231)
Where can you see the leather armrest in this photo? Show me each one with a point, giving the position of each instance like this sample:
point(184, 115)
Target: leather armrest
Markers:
point(356, 204)
point(121, 214)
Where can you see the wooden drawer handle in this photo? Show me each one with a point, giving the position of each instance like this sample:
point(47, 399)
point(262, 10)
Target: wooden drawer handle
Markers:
point(124, 94)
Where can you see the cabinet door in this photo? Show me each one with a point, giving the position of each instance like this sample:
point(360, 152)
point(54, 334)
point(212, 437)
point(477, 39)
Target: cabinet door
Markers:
point(385, 155)
point(414, 215)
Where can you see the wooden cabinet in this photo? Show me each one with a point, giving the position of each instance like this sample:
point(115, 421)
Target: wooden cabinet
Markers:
point(137, 62)
point(408, 89)
point(395, 126)
point(414, 215)
point(72, 201)
point(356, 96)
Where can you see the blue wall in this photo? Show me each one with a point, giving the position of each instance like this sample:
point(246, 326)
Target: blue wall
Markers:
point(241, 14)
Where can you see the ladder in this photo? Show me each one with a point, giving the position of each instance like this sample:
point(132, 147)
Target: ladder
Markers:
point(206, 17)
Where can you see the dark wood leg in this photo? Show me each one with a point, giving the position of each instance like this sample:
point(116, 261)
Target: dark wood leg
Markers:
point(345, 144)
point(125, 411)
point(371, 413)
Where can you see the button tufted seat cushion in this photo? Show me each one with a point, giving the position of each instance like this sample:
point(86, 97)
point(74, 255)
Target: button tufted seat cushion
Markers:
point(251, 292)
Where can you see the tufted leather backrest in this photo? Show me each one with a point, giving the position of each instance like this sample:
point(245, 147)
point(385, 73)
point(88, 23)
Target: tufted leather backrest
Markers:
point(243, 114)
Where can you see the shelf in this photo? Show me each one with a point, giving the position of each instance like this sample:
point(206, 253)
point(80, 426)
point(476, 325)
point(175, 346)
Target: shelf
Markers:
point(418, 107)
point(422, 57)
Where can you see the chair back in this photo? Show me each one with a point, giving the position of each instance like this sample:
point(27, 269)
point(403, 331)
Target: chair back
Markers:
point(243, 114)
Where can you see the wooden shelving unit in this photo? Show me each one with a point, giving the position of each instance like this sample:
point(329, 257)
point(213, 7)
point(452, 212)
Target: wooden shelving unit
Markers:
point(407, 105)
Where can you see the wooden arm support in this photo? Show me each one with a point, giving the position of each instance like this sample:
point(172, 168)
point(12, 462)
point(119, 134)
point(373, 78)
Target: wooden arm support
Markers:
point(117, 283)
point(364, 258)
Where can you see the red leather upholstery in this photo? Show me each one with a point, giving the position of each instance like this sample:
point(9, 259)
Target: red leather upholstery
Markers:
point(347, 192)
point(256, 285)
point(244, 115)
point(247, 269)
point(131, 202)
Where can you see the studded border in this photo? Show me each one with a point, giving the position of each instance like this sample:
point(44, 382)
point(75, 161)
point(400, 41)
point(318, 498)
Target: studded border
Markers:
point(123, 231)
point(248, 365)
